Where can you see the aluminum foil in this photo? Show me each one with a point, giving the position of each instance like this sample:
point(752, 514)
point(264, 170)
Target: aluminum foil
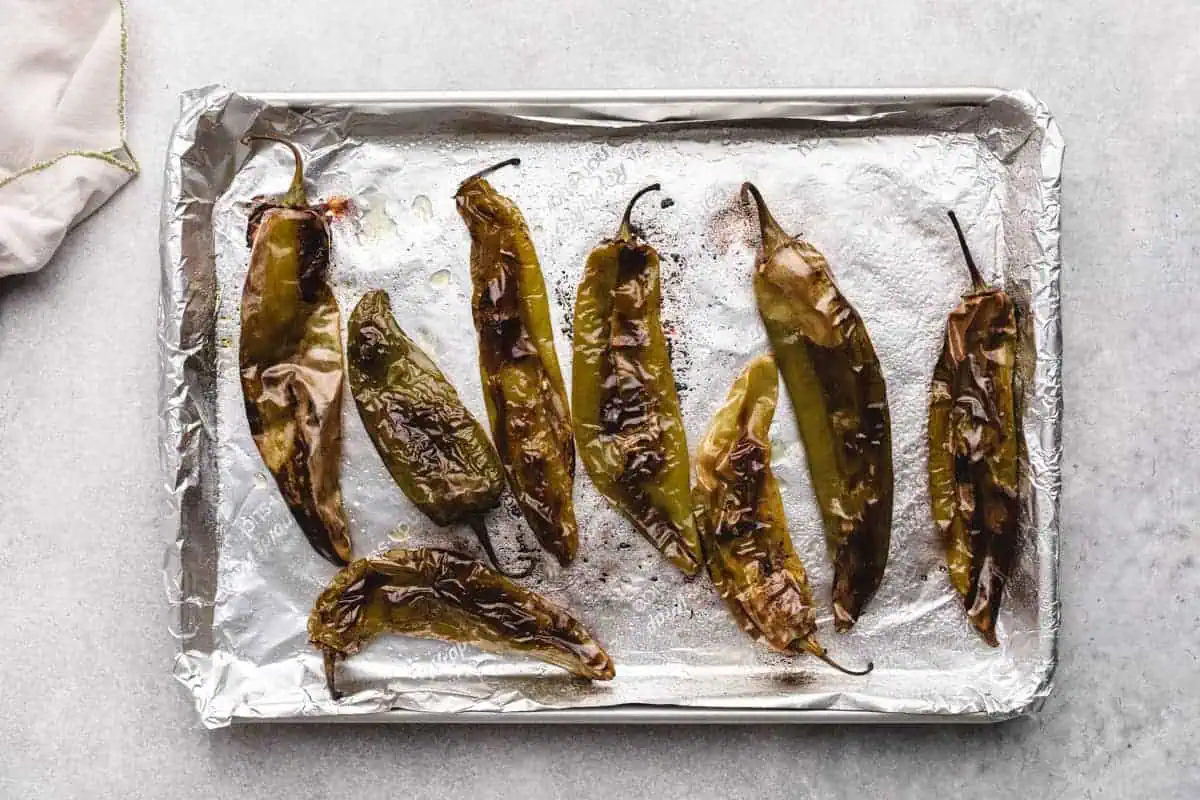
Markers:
point(866, 176)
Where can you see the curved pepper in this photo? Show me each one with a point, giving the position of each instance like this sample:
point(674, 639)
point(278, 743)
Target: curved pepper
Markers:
point(742, 524)
point(839, 397)
point(522, 384)
point(973, 446)
point(626, 412)
point(437, 453)
point(291, 362)
point(438, 594)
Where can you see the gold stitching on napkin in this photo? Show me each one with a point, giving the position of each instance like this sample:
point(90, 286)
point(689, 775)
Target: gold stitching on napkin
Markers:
point(113, 157)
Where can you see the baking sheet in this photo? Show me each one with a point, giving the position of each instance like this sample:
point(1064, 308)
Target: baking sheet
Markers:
point(866, 176)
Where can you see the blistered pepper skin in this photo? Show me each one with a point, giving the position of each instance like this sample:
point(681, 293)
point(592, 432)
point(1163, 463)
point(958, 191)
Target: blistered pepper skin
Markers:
point(435, 450)
point(627, 420)
point(522, 382)
point(438, 594)
point(290, 359)
point(739, 509)
point(836, 385)
point(973, 447)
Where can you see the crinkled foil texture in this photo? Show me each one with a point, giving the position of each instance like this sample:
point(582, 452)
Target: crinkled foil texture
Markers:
point(868, 184)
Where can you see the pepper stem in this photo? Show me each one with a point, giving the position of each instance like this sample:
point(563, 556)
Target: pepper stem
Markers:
point(976, 278)
point(330, 667)
point(772, 233)
point(296, 196)
point(811, 646)
point(483, 173)
point(481, 532)
point(624, 233)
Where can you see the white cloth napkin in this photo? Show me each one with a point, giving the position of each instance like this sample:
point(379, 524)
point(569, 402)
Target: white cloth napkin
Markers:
point(62, 122)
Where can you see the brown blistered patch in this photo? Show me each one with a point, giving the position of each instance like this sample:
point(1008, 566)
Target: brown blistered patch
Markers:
point(337, 207)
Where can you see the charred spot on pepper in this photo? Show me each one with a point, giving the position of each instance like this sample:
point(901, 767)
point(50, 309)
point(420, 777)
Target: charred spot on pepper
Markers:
point(370, 348)
point(313, 242)
point(254, 221)
point(630, 263)
point(507, 340)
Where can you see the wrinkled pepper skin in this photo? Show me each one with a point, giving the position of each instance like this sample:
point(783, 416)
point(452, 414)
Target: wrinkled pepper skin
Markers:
point(522, 383)
point(627, 421)
point(973, 447)
point(291, 363)
point(437, 453)
point(747, 548)
point(438, 594)
point(836, 385)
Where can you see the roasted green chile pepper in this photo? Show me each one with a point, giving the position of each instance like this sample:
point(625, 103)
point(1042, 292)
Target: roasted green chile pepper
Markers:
point(438, 594)
point(747, 548)
point(438, 454)
point(837, 390)
point(291, 361)
point(627, 421)
point(522, 384)
point(973, 446)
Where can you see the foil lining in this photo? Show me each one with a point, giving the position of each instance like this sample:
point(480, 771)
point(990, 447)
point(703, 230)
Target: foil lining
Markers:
point(867, 178)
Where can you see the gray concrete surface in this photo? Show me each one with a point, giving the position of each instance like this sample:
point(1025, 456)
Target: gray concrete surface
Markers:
point(86, 705)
